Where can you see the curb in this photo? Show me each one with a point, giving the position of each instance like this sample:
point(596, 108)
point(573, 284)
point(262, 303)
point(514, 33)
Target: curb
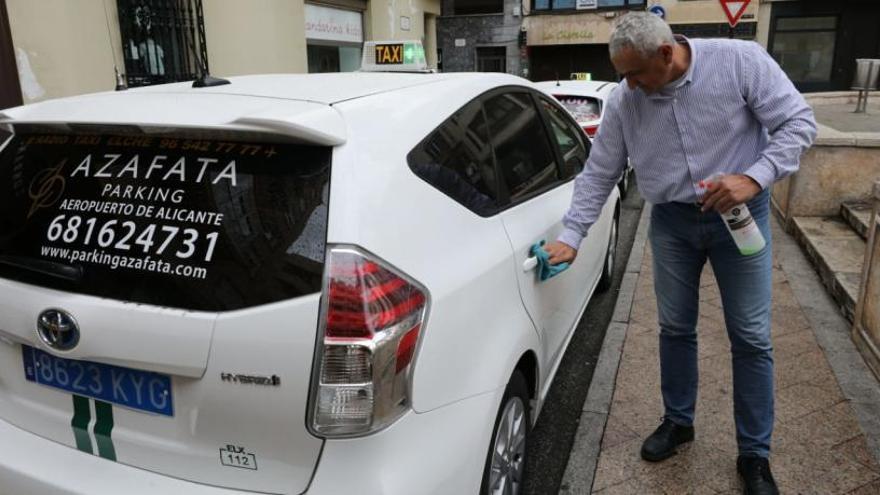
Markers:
point(581, 468)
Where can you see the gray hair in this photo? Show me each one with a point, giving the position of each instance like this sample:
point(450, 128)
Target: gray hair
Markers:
point(644, 32)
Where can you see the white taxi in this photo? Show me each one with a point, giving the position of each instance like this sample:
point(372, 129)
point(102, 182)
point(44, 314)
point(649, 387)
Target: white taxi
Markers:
point(287, 284)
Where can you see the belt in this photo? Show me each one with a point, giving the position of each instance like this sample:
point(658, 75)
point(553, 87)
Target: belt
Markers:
point(694, 204)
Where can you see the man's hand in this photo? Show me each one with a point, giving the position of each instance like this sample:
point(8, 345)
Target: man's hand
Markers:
point(729, 191)
point(560, 252)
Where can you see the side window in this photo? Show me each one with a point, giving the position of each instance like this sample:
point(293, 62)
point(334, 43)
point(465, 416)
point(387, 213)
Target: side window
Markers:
point(457, 159)
point(569, 137)
point(522, 148)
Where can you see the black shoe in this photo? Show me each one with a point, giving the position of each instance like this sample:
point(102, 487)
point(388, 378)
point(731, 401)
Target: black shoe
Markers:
point(662, 443)
point(756, 475)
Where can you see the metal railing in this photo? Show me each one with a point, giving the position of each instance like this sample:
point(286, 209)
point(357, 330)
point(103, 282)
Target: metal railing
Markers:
point(162, 40)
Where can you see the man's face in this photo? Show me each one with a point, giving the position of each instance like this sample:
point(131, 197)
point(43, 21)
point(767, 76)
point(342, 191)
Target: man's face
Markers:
point(648, 73)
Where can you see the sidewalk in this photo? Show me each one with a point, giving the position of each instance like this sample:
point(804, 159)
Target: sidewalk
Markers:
point(827, 432)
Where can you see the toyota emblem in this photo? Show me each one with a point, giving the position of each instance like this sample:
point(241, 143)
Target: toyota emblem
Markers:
point(58, 329)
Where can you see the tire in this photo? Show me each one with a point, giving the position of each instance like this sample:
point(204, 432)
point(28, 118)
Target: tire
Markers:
point(503, 473)
point(610, 257)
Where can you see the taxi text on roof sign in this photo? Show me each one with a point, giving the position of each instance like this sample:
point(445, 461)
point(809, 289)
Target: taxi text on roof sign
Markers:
point(389, 54)
point(581, 76)
point(399, 53)
point(405, 56)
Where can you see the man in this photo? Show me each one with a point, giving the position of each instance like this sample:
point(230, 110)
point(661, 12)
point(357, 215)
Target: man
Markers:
point(690, 109)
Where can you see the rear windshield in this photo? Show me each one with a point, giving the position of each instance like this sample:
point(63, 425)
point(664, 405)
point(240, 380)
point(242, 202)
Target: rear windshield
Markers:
point(582, 108)
point(195, 224)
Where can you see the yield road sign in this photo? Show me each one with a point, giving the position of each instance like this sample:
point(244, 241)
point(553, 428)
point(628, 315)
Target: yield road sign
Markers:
point(734, 9)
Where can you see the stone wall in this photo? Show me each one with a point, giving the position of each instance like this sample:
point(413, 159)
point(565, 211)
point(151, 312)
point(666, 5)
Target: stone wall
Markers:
point(839, 167)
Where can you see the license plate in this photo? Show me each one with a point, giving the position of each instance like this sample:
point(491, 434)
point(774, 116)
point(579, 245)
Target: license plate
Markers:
point(142, 390)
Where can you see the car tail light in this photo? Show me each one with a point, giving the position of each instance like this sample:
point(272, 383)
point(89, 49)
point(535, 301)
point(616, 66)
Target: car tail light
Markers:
point(591, 130)
point(372, 317)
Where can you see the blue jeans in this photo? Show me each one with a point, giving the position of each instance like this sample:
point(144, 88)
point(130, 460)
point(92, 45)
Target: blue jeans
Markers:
point(682, 239)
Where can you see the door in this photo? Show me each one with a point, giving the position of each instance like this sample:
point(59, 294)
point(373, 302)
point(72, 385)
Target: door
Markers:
point(540, 192)
point(492, 59)
point(804, 47)
point(10, 91)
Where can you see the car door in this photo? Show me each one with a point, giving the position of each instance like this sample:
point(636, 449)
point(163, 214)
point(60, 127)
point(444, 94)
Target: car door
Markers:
point(568, 138)
point(539, 193)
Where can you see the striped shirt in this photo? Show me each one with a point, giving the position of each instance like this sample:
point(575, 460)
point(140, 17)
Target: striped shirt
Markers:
point(733, 111)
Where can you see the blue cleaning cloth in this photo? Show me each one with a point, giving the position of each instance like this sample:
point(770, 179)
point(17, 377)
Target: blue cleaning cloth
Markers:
point(545, 269)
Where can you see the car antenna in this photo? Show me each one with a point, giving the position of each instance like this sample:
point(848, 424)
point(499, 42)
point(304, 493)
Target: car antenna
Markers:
point(120, 79)
point(205, 80)
point(557, 79)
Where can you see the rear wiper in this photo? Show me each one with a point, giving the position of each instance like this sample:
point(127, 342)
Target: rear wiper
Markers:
point(58, 270)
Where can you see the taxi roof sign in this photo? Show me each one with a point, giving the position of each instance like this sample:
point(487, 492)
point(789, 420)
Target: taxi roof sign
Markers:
point(394, 56)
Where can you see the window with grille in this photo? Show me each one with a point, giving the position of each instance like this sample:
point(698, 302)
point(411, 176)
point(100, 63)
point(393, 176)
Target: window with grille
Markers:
point(163, 41)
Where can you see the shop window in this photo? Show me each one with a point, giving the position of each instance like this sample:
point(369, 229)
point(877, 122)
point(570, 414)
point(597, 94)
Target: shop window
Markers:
point(333, 58)
point(804, 47)
point(334, 38)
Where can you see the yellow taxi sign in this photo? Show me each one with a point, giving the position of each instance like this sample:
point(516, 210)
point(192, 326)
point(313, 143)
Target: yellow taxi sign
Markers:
point(389, 54)
point(395, 56)
point(581, 76)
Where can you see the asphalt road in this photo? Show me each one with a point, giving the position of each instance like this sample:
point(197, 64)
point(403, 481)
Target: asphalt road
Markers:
point(553, 436)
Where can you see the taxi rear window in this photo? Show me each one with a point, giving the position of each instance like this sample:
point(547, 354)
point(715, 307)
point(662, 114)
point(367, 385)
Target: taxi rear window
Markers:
point(204, 225)
point(582, 108)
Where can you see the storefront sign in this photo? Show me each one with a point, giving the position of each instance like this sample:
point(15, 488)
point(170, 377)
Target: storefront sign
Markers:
point(568, 30)
point(325, 23)
point(586, 4)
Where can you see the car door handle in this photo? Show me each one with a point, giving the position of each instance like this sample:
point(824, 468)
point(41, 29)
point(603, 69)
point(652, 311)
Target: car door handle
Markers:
point(529, 264)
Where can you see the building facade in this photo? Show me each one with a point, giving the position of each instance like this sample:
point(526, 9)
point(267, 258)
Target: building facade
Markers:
point(571, 36)
point(153, 41)
point(817, 43)
point(482, 36)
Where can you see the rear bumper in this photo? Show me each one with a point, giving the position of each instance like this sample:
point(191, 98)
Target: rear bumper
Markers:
point(434, 453)
point(32, 465)
point(438, 452)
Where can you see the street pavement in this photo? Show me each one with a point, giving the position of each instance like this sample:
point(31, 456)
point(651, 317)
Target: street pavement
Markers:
point(827, 432)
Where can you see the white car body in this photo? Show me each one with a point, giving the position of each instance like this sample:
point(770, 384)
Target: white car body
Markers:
point(486, 313)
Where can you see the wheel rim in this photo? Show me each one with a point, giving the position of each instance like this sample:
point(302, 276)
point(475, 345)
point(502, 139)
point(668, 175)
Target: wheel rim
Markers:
point(612, 250)
point(508, 450)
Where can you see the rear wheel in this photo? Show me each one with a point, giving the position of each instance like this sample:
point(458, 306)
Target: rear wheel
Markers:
point(610, 257)
point(506, 460)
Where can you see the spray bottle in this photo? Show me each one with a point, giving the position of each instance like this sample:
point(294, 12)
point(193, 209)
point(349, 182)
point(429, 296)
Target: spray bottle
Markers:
point(740, 224)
